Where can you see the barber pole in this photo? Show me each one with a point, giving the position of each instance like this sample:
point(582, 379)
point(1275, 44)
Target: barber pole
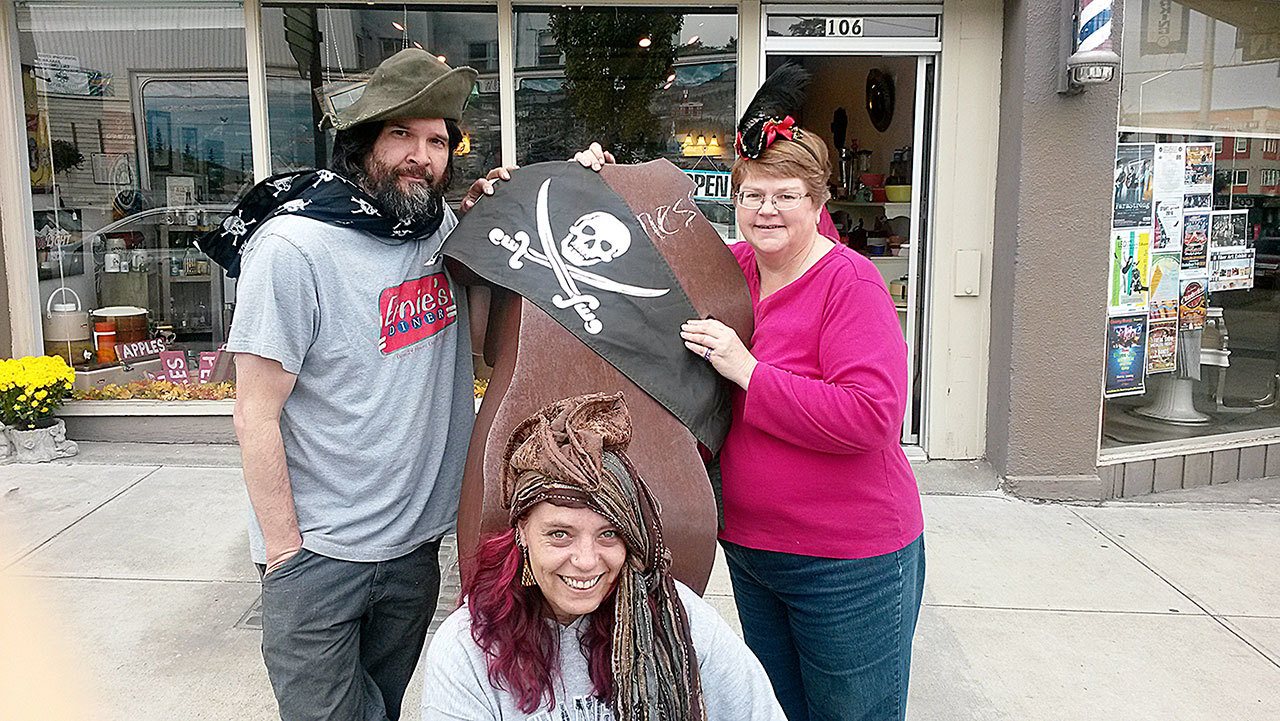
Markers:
point(1085, 45)
point(1094, 25)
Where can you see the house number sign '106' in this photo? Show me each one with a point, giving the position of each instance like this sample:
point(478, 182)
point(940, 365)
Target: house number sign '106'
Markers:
point(844, 27)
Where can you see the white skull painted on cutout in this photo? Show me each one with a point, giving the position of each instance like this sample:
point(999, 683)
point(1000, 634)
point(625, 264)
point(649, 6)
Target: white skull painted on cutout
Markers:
point(596, 237)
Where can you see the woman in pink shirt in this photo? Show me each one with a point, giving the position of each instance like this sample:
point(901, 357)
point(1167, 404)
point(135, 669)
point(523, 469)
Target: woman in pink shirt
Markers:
point(822, 522)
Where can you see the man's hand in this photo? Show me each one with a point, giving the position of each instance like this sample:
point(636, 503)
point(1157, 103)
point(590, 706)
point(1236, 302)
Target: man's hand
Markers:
point(594, 157)
point(278, 559)
point(484, 186)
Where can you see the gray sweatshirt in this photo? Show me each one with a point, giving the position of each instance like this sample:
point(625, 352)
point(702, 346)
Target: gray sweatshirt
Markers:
point(456, 685)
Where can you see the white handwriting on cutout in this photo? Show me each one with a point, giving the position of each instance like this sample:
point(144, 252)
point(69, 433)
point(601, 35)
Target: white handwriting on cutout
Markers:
point(657, 221)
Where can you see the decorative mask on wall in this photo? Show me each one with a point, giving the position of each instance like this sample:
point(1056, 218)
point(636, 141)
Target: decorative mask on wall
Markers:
point(880, 99)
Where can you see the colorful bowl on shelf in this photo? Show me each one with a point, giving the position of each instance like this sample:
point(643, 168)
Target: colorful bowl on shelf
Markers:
point(872, 180)
point(898, 193)
point(878, 195)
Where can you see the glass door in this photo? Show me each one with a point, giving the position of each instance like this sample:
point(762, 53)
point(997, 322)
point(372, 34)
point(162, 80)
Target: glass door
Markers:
point(872, 97)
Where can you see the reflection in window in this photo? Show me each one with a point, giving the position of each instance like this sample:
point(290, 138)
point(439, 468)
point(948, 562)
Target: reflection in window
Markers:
point(644, 83)
point(138, 139)
point(317, 49)
point(1185, 70)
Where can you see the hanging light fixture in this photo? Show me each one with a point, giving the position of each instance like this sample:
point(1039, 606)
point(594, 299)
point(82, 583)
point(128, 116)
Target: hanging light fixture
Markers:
point(645, 42)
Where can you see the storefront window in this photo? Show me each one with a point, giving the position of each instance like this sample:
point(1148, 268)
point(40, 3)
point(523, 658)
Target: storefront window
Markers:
point(644, 83)
point(138, 140)
point(318, 50)
point(1193, 337)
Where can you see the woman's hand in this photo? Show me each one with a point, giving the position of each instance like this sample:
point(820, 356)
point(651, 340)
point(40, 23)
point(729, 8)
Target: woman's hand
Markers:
point(484, 186)
point(594, 157)
point(720, 346)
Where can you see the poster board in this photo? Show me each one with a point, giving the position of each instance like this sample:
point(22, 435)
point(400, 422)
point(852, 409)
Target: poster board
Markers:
point(1169, 250)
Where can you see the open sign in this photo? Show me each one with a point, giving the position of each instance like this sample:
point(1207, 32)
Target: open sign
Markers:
point(710, 184)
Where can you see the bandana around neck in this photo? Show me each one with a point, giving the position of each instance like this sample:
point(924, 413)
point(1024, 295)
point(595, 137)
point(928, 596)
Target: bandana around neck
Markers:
point(322, 195)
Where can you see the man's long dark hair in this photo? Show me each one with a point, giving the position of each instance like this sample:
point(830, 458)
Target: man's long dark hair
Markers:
point(351, 148)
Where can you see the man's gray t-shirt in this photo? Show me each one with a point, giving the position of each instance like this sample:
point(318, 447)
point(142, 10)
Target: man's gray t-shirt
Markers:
point(376, 428)
point(456, 684)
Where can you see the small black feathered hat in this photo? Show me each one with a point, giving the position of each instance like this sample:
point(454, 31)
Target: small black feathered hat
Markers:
point(771, 114)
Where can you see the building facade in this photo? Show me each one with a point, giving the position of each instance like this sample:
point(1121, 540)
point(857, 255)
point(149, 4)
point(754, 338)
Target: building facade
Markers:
point(983, 195)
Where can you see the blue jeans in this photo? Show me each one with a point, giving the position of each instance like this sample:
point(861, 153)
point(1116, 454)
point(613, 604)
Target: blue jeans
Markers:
point(834, 635)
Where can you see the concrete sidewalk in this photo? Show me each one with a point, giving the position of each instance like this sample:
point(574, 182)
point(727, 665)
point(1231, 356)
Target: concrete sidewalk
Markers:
point(1163, 608)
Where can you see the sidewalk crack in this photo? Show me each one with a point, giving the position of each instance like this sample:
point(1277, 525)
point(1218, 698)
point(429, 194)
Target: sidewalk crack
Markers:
point(1208, 611)
point(76, 522)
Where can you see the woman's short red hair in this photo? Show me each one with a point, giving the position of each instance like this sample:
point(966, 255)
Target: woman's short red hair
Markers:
point(804, 159)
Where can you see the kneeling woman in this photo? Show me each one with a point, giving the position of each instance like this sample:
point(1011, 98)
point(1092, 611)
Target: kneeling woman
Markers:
point(573, 613)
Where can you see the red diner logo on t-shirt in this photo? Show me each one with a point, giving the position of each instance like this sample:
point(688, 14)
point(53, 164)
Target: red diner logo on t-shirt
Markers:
point(415, 310)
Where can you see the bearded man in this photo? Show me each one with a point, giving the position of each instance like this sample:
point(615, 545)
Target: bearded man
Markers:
point(354, 391)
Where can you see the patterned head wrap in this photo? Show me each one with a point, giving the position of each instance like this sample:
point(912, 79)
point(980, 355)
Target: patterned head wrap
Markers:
point(574, 451)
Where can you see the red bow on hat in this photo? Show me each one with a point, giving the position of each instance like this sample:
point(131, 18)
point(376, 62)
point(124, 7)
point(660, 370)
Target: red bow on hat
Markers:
point(774, 128)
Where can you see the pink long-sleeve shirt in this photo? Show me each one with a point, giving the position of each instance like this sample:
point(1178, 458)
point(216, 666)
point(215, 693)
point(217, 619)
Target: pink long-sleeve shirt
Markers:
point(812, 464)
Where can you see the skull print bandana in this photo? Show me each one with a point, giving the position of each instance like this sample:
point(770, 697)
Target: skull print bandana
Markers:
point(561, 237)
point(319, 194)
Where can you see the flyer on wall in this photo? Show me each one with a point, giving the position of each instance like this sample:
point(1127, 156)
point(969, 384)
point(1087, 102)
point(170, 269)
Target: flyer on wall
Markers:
point(1197, 201)
point(1199, 168)
point(1162, 347)
point(1230, 269)
point(1229, 229)
point(1129, 274)
point(1169, 175)
point(1126, 355)
point(1167, 237)
point(1132, 204)
point(1162, 303)
point(1195, 241)
point(1194, 303)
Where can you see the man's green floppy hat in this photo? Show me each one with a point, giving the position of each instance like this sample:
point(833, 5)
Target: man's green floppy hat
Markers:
point(412, 83)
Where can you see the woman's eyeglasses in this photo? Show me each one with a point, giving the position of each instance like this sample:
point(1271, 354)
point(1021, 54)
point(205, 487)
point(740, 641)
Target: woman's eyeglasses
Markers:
point(752, 200)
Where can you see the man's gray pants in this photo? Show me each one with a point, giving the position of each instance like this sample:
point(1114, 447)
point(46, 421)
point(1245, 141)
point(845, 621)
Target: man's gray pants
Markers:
point(341, 638)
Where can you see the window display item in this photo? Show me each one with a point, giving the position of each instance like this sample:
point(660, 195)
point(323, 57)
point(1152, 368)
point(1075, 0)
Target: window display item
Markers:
point(104, 338)
point(129, 322)
point(66, 328)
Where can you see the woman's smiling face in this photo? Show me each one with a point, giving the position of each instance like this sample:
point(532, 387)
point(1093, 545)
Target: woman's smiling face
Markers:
point(575, 554)
point(768, 229)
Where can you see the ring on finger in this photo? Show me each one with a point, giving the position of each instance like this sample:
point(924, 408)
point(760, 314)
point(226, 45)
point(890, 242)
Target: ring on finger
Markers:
point(706, 354)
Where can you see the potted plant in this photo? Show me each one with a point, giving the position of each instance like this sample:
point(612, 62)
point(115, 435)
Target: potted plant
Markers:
point(31, 389)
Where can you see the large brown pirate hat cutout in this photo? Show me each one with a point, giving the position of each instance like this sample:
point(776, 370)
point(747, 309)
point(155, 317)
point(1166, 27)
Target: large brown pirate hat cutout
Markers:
point(412, 83)
point(593, 304)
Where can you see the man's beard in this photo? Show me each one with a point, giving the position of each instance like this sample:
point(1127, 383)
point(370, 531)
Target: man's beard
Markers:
point(421, 202)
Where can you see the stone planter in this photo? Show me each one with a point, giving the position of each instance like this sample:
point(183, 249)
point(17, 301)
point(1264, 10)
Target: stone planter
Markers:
point(6, 446)
point(41, 444)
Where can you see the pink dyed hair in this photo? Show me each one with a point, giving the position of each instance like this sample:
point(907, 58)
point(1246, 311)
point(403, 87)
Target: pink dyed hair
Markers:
point(514, 627)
